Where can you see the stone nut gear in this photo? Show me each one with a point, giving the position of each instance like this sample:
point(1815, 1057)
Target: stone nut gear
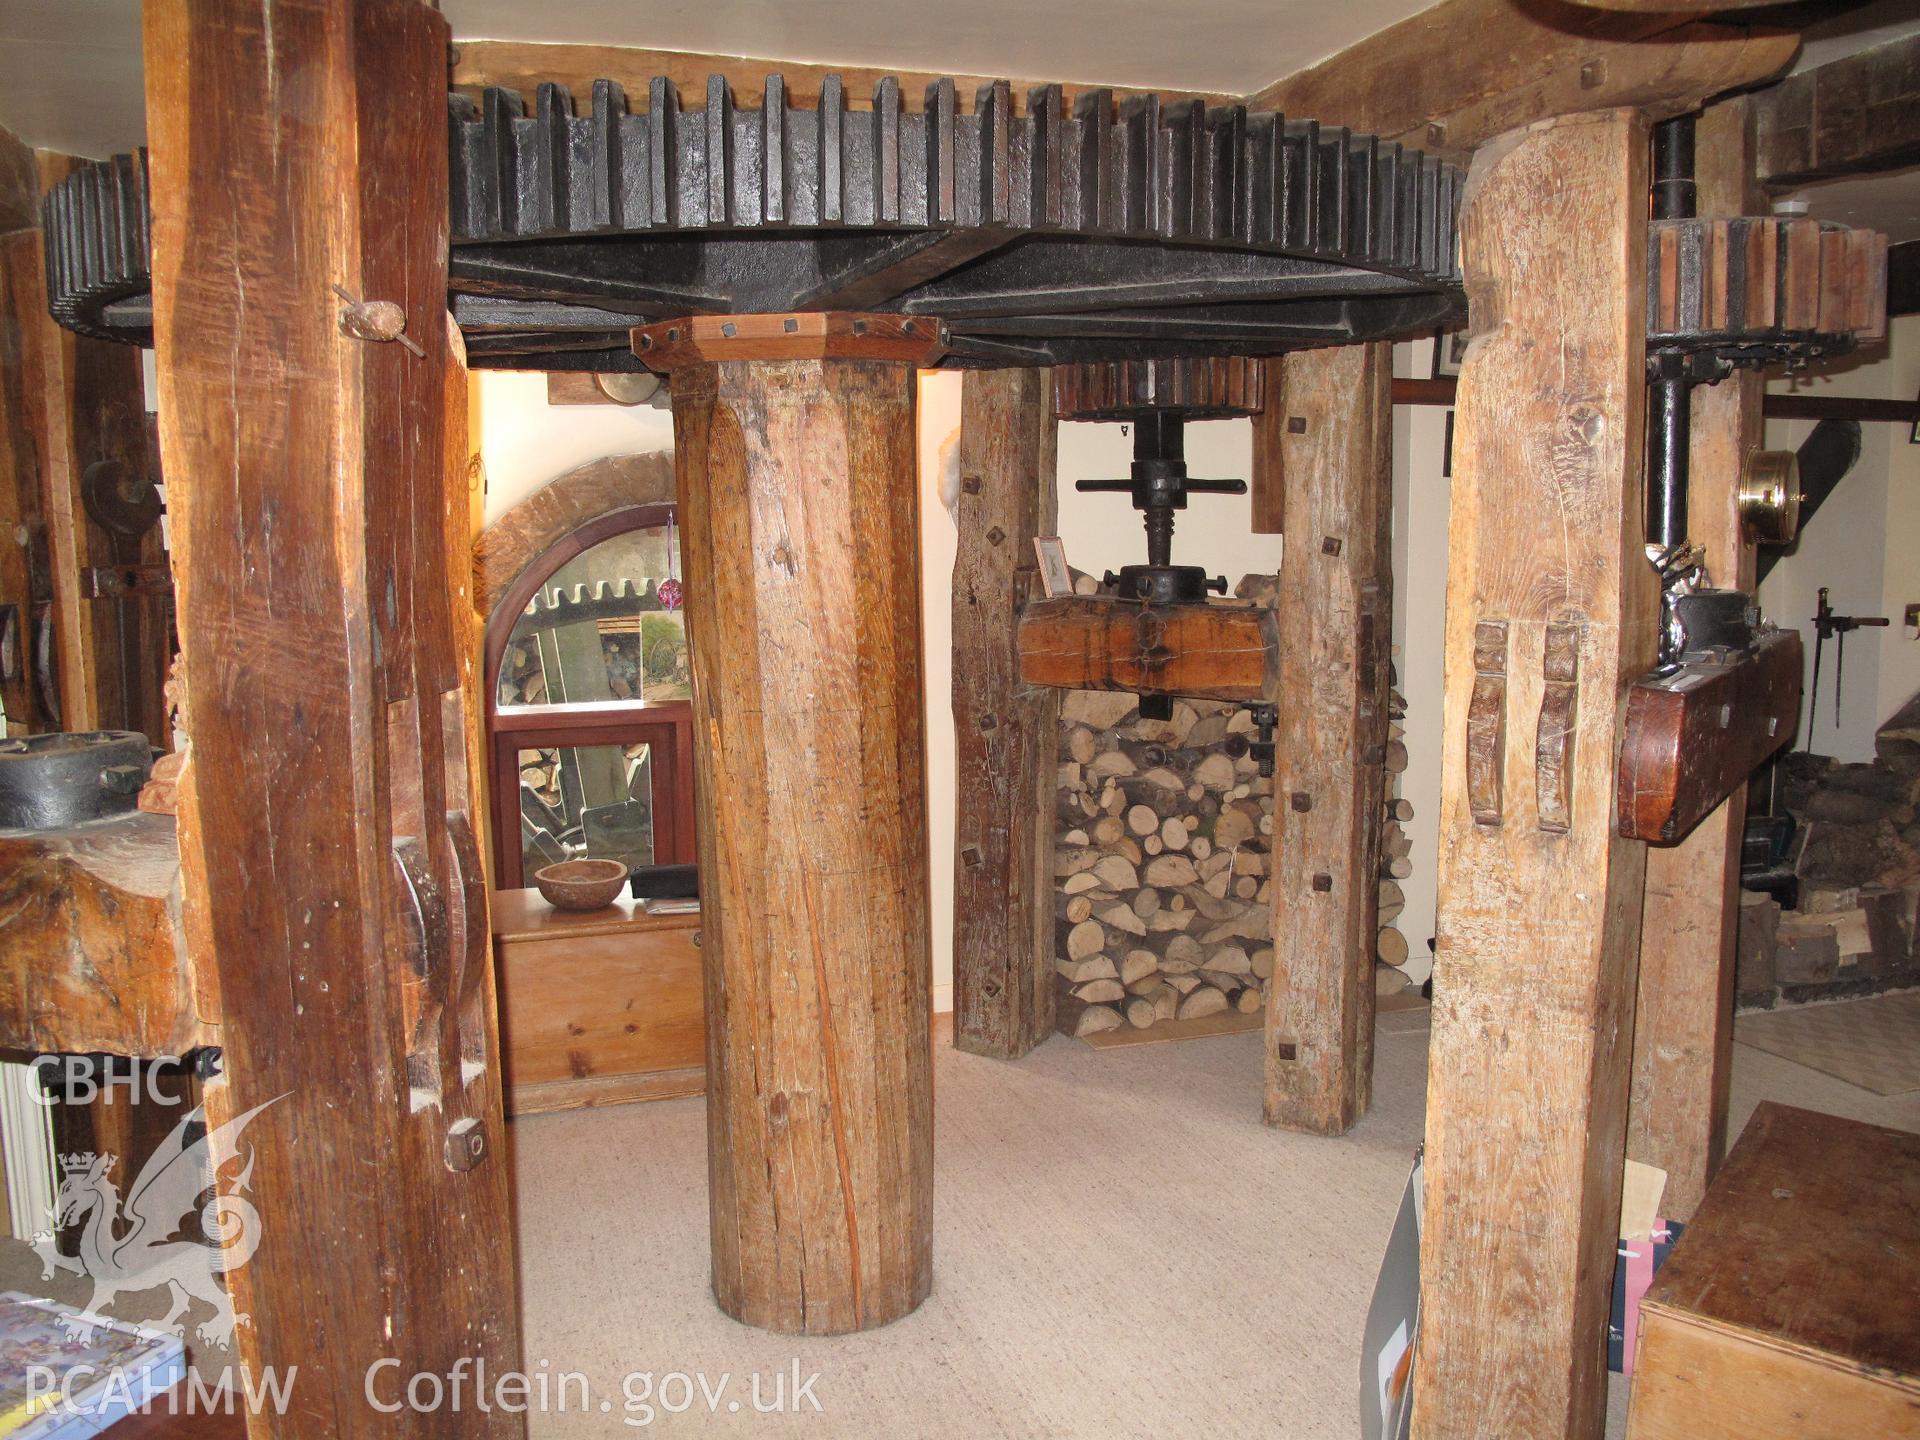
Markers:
point(1038, 233)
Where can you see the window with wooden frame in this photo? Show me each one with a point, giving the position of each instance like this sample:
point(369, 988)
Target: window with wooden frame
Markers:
point(589, 720)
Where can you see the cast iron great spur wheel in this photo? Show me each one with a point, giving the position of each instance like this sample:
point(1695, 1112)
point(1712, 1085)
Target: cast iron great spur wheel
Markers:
point(1038, 235)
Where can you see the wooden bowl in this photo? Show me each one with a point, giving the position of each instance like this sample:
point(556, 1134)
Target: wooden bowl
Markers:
point(581, 884)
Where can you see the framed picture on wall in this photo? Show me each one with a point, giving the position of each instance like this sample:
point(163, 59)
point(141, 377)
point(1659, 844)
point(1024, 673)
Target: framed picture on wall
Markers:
point(1449, 349)
point(1055, 577)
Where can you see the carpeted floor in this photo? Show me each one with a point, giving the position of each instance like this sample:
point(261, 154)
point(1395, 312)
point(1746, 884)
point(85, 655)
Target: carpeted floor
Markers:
point(1874, 1043)
point(1120, 1249)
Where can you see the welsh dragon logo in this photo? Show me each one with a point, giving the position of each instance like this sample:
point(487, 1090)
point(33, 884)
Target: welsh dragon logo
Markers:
point(137, 1243)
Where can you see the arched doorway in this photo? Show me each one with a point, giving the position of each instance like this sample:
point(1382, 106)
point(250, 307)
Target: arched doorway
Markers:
point(588, 723)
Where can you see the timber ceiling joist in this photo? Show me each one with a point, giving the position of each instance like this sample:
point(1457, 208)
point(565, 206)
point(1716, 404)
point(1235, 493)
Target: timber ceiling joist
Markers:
point(1852, 116)
point(1455, 75)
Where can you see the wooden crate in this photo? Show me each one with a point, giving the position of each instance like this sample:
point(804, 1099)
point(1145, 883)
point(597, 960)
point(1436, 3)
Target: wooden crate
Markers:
point(598, 1008)
point(1791, 1307)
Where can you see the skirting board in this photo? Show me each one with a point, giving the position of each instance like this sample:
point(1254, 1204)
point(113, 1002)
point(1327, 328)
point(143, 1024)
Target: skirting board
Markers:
point(596, 1090)
point(592, 1091)
point(1225, 1022)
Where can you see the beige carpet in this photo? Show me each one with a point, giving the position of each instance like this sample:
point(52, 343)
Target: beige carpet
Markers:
point(1121, 1249)
point(1874, 1043)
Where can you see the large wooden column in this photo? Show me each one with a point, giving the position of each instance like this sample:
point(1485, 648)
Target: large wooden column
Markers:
point(1006, 733)
point(332, 886)
point(1683, 1025)
point(25, 578)
point(72, 419)
point(1551, 613)
point(112, 649)
point(1328, 432)
point(800, 535)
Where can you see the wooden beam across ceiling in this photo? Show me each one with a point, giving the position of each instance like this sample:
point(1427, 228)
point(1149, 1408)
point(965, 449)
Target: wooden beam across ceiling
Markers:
point(1852, 116)
point(1458, 74)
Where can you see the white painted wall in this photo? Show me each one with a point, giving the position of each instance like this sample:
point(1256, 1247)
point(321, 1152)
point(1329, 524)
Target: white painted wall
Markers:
point(525, 442)
point(1103, 531)
point(939, 419)
point(1422, 498)
point(1864, 546)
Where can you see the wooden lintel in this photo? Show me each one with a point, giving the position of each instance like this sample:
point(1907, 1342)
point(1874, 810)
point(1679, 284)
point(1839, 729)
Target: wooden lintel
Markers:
point(804, 335)
point(521, 65)
point(1266, 477)
point(1852, 116)
point(1551, 612)
point(1006, 732)
point(1213, 650)
point(1511, 62)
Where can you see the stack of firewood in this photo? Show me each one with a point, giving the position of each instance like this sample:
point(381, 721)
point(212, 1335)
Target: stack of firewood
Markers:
point(1852, 868)
point(1396, 851)
point(522, 681)
point(540, 773)
point(1161, 864)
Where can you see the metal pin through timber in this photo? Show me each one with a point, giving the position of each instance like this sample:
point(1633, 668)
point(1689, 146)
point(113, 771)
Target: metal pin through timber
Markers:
point(380, 320)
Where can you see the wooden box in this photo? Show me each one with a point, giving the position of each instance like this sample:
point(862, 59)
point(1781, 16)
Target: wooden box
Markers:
point(1791, 1307)
point(597, 1008)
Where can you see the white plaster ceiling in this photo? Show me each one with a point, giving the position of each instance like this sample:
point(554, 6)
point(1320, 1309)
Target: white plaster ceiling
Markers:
point(1888, 202)
point(70, 69)
point(1854, 28)
point(70, 74)
point(1231, 46)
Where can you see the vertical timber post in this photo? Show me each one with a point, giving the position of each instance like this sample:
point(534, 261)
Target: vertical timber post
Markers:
point(1551, 612)
point(1683, 1022)
point(1268, 482)
point(331, 882)
point(113, 650)
point(800, 533)
point(1327, 428)
point(1006, 733)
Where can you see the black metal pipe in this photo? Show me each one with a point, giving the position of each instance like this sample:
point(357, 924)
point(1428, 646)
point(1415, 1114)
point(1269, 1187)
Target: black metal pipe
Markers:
point(1669, 416)
point(1160, 435)
point(1675, 195)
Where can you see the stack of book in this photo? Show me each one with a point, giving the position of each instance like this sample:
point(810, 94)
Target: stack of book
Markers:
point(65, 1373)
